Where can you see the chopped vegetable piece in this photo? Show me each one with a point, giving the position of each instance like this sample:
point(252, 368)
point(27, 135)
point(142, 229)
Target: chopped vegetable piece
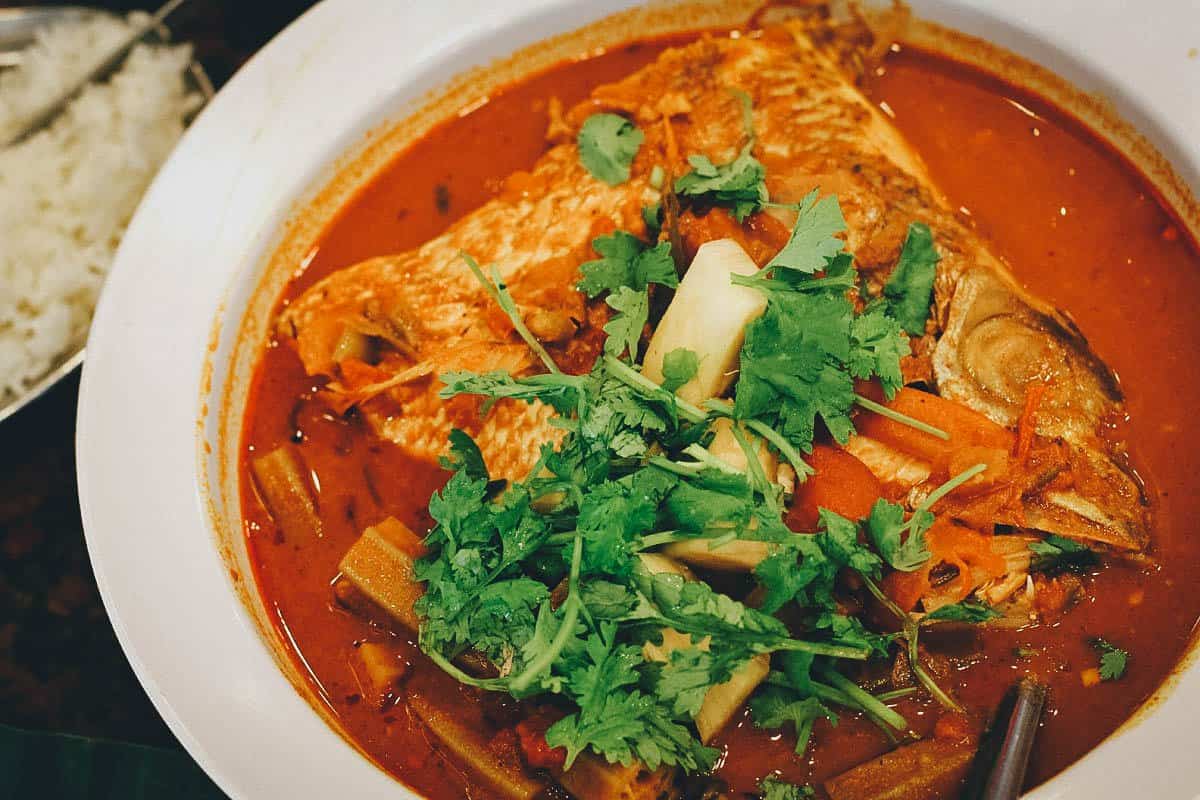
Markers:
point(384, 669)
point(736, 556)
point(592, 778)
point(380, 565)
point(470, 746)
point(722, 702)
point(285, 491)
point(924, 769)
point(707, 316)
point(608, 144)
point(842, 484)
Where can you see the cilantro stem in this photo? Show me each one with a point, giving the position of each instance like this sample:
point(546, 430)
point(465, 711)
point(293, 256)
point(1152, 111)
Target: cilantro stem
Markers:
point(488, 684)
point(636, 380)
point(499, 292)
point(759, 281)
point(664, 537)
point(911, 631)
point(895, 694)
point(757, 474)
point(704, 457)
point(566, 630)
point(824, 649)
point(687, 469)
point(776, 439)
point(903, 419)
point(950, 485)
point(864, 699)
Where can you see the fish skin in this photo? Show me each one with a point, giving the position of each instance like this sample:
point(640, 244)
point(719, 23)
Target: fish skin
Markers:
point(814, 129)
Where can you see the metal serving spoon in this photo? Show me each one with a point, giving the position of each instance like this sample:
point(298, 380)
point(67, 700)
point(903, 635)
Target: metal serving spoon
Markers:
point(17, 29)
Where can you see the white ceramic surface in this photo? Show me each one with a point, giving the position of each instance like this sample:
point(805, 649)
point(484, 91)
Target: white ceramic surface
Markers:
point(199, 240)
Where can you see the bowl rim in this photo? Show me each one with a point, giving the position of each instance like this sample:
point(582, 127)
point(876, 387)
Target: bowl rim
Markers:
point(149, 390)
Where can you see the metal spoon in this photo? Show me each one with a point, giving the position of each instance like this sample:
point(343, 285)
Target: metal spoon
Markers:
point(17, 29)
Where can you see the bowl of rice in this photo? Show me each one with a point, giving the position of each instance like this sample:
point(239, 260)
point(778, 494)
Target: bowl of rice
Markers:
point(68, 191)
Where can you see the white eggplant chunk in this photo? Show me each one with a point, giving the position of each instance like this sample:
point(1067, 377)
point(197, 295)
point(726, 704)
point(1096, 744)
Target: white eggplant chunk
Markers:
point(708, 316)
point(722, 701)
point(739, 555)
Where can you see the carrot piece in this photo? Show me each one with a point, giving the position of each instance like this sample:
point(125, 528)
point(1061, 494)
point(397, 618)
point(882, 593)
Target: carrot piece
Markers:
point(843, 484)
point(906, 588)
point(967, 428)
point(966, 549)
point(953, 727)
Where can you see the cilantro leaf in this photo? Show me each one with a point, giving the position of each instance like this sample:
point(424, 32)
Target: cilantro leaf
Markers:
point(625, 270)
point(774, 789)
point(465, 455)
point(806, 567)
point(626, 260)
point(886, 528)
point(1057, 554)
point(625, 328)
point(966, 611)
point(813, 241)
point(679, 367)
point(615, 718)
point(739, 185)
point(694, 607)
point(775, 707)
point(877, 345)
point(793, 367)
point(909, 289)
point(561, 392)
point(1113, 660)
point(608, 144)
point(687, 676)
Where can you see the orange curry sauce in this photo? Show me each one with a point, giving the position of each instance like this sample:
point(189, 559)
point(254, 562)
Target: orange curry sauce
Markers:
point(1079, 227)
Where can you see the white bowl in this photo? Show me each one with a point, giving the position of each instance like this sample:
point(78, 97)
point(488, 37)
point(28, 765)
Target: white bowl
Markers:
point(162, 527)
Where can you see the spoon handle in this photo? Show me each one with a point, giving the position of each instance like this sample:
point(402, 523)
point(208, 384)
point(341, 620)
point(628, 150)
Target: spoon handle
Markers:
point(1007, 774)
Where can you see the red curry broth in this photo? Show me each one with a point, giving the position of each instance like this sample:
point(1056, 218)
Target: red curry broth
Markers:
point(1078, 225)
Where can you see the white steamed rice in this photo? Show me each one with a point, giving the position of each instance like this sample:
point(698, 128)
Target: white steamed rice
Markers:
point(67, 193)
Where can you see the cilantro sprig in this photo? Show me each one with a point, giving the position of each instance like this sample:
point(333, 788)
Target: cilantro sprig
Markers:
point(1113, 660)
point(607, 145)
point(625, 270)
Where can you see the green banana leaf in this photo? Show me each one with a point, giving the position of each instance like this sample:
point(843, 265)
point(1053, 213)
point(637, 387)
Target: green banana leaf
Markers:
point(65, 767)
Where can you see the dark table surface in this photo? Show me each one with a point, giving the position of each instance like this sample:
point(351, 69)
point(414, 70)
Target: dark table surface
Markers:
point(61, 668)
